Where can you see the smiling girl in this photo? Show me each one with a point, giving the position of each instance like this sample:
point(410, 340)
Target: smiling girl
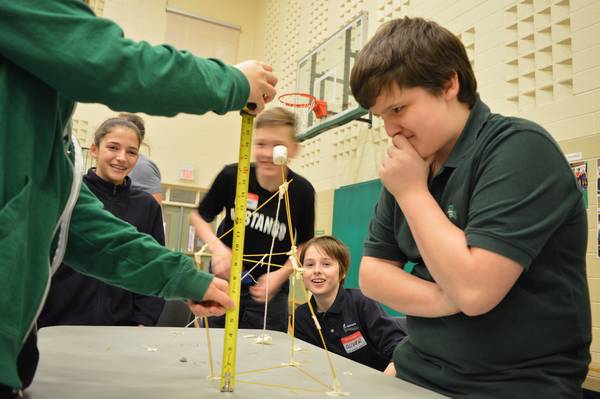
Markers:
point(75, 299)
point(353, 325)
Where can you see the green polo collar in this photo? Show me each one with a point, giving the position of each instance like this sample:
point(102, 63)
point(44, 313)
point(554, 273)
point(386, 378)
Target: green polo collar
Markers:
point(477, 117)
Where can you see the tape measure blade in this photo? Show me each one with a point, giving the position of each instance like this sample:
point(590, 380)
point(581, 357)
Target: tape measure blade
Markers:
point(239, 229)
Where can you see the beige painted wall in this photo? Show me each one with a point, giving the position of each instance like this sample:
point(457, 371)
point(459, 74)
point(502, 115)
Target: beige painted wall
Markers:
point(567, 104)
point(589, 147)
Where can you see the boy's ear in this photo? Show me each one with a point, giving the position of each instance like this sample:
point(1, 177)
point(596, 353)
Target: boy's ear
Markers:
point(294, 149)
point(452, 86)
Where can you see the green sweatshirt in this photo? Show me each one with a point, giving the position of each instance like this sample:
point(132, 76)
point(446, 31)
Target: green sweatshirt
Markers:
point(53, 53)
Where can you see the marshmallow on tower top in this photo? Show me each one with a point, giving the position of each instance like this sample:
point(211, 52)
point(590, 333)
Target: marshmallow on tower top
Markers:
point(279, 155)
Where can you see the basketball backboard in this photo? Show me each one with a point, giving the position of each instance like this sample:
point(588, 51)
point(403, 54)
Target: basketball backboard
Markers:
point(325, 74)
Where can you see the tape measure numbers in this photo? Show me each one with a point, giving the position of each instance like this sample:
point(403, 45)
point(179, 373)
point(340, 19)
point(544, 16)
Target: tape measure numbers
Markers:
point(237, 254)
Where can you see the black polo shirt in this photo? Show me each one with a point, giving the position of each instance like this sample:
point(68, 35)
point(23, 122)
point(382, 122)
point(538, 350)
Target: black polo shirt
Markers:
point(507, 184)
point(355, 327)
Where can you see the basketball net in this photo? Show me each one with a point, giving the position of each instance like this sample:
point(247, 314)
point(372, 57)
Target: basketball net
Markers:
point(303, 104)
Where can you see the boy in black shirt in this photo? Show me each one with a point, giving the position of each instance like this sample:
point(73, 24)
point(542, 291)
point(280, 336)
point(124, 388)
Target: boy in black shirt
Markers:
point(276, 126)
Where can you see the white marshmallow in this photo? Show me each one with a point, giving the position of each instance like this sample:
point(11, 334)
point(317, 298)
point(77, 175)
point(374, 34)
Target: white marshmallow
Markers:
point(279, 155)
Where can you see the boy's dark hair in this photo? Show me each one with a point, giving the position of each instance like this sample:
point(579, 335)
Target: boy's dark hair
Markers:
point(333, 248)
point(412, 52)
point(136, 120)
point(277, 116)
point(108, 125)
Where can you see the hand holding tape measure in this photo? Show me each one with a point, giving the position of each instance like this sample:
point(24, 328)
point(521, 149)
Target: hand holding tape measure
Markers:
point(262, 82)
point(215, 301)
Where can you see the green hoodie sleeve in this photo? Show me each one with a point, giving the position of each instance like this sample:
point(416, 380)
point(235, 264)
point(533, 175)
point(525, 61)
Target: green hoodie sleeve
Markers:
point(87, 59)
point(124, 257)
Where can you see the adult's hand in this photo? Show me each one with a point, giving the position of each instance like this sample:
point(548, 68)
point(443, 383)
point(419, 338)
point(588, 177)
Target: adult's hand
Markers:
point(262, 83)
point(215, 301)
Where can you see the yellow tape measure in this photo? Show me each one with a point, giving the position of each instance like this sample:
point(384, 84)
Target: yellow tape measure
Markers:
point(237, 254)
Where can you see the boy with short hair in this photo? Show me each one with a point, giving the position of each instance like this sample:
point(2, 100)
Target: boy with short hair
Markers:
point(498, 303)
point(351, 324)
point(273, 127)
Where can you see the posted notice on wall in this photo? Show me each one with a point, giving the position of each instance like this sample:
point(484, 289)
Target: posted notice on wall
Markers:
point(580, 170)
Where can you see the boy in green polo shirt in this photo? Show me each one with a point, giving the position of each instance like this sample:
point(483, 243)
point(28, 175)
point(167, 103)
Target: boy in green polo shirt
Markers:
point(487, 208)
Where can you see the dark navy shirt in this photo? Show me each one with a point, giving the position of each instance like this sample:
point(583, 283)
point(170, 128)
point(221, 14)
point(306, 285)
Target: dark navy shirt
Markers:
point(355, 327)
point(76, 299)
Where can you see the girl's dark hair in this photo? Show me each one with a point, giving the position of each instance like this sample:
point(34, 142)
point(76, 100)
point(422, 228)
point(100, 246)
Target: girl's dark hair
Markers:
point(136, 120)
point(108, 125)
point(333, 248)
point(412, 52)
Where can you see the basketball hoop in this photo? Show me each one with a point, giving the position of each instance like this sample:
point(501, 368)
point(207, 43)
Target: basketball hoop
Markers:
point(303, 104)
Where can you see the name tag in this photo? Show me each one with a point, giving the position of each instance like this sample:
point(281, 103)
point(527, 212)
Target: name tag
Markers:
point(353, 342)
point(252, 202)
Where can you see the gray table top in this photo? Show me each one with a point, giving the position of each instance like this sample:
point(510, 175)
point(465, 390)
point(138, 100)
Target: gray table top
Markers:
point(162, 362)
